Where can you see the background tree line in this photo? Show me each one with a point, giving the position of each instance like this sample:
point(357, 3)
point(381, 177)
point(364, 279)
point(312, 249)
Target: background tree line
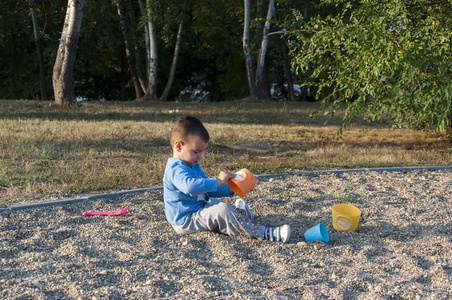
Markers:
point(112, 56)
point(382, 58)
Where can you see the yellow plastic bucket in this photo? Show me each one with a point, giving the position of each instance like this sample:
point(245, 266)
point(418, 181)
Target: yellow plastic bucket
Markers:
point(345, 217)
point(243, 183)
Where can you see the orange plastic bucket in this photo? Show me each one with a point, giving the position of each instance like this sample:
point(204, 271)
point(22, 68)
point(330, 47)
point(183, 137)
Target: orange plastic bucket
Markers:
point(243, 183)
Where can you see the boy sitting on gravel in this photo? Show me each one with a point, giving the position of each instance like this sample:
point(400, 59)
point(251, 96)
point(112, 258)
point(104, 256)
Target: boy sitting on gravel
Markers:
point(189, 194)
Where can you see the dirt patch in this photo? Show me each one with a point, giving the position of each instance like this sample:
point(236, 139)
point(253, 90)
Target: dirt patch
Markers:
point(402, 248)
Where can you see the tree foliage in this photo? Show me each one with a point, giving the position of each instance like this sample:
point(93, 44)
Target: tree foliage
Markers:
point(385, 59)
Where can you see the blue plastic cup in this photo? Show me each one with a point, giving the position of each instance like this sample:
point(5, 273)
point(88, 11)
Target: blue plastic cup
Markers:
point(317, 233)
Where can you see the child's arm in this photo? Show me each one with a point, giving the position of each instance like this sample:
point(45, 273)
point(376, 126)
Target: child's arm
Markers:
point(224, 177)
point(223, 189)
point(184, 180)
point(187, 184)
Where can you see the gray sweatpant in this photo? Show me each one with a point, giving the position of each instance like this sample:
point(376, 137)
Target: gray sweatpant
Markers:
point(220, 217)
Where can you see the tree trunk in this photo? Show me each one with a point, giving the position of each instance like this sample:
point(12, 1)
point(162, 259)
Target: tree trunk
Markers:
point(146, 38)
point(305, 89)
point(306, 12)
point(449, 126)
point(246, 51)
point(307, 71)
point(64, 63)
point(266, 92)
point(173, 64)
point(151, 92)
point(260, 15)
point(12, 77)
point(133, 73)
point(37, 38)
point(136, 48)
point(288, 72)
point(123, 77)
point(263, 50)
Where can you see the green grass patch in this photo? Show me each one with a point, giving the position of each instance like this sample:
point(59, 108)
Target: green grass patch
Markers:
point(348, 199)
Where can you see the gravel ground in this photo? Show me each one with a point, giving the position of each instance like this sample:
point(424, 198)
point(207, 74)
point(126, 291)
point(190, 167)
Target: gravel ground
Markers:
point(401, 249)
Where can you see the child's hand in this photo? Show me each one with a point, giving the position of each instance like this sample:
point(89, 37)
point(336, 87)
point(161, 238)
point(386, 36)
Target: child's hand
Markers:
point(223, 178)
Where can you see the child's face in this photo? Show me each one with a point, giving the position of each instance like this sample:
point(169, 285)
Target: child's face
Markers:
point(190, 152)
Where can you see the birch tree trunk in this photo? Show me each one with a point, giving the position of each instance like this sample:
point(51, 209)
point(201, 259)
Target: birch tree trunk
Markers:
point(246, 51)
point(261, 12)
point(173, 64)
point(37, 39)
point(64, 64)
point(146, 38)
point(151, 91)
point(263, 50)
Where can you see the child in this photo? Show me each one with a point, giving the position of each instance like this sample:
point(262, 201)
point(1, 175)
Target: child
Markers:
point(189, 194)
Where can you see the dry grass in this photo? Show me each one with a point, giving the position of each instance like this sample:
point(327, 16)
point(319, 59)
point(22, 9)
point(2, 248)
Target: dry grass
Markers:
point(112, 146)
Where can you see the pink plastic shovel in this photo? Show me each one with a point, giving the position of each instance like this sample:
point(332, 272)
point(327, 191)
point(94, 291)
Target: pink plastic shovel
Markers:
point(105, 213)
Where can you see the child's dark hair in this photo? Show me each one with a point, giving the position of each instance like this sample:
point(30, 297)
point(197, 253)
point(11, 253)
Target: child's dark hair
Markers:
point(187, 127)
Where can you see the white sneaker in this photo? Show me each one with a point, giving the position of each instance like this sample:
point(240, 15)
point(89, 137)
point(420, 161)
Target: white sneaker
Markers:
point(278, 234)
point(241, 204)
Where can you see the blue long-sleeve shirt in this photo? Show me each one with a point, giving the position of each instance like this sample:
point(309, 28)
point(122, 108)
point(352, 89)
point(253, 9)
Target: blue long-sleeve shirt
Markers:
point(185, 190)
